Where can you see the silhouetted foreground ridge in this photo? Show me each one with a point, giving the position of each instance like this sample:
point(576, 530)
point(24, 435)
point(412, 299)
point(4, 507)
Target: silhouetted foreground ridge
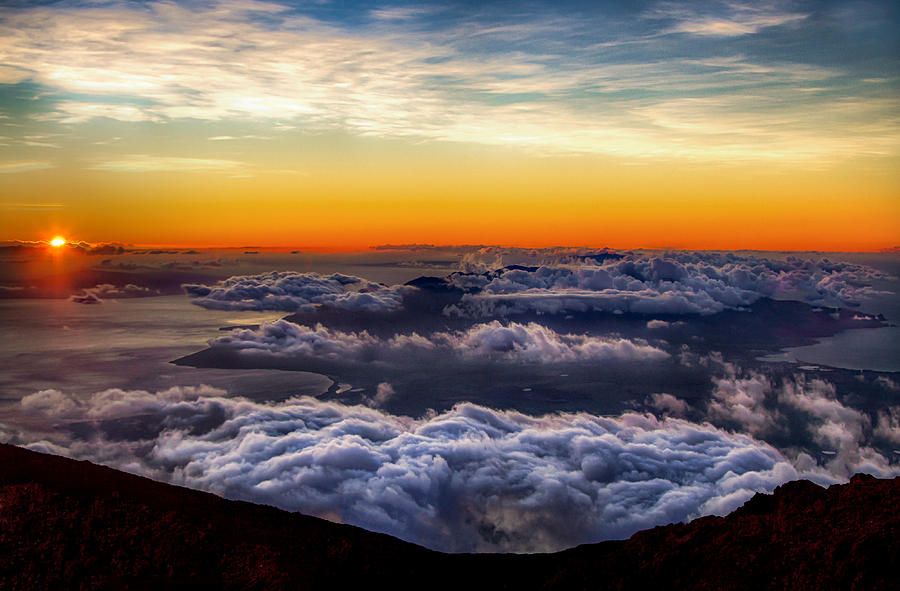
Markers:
point(69, 524)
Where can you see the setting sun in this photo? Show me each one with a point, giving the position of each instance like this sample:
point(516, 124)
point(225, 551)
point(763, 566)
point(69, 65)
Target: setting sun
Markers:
point(58, 241)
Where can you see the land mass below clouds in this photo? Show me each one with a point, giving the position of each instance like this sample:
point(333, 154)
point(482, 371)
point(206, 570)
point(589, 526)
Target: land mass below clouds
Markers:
point(765, 327)
point(79, 525)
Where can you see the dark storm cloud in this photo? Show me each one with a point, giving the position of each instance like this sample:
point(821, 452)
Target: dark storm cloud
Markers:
point(292, 292)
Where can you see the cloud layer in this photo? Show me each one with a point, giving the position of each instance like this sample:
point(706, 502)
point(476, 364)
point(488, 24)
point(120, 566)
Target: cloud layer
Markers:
point(102, 291)
point(294, 292)
point(500, 78)
point(534, 342)
point(567, 281)
point(809, 413)
point(473, 478)
point(469, 479)
point(673, 283)
point(512, 342)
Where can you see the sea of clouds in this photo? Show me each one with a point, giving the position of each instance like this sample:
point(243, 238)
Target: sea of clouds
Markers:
point(477, 479)
point(514, 342)
point(473, 478)
point(290, 291)
point(643, 283)
point(670, 283)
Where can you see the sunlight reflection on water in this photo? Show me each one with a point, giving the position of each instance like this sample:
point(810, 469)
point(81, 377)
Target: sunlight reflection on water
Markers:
point(127, 344)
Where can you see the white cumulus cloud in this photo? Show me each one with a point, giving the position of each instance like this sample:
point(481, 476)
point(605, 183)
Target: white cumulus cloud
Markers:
point(291, 292)
point(468, 479)
point(511, 342)
point(670, 283)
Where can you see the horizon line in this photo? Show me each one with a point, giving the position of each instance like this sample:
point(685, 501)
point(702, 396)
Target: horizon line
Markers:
point(411, 246)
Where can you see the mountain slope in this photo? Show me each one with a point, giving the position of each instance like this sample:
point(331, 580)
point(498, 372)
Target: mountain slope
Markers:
point(69, 524)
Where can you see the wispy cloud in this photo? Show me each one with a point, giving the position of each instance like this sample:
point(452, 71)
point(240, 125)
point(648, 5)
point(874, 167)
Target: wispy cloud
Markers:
point(23, 166)
point(400, 13)
point(546, 83)
point(148, 163)
point(735, 19)
point(79, 112)
point(10, 75)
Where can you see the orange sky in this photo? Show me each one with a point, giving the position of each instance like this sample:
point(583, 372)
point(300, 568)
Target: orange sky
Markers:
point(512, 199)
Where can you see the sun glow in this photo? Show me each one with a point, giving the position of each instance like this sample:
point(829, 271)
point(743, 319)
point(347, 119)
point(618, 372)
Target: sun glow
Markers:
point(58, 241)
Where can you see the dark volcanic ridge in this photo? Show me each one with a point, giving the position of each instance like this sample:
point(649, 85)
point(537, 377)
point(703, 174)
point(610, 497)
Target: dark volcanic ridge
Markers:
point(70, 524)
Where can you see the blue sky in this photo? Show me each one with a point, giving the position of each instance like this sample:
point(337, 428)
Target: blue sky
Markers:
point(471, 71)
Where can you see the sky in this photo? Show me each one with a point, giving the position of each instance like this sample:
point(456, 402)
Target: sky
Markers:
point(340, 125)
